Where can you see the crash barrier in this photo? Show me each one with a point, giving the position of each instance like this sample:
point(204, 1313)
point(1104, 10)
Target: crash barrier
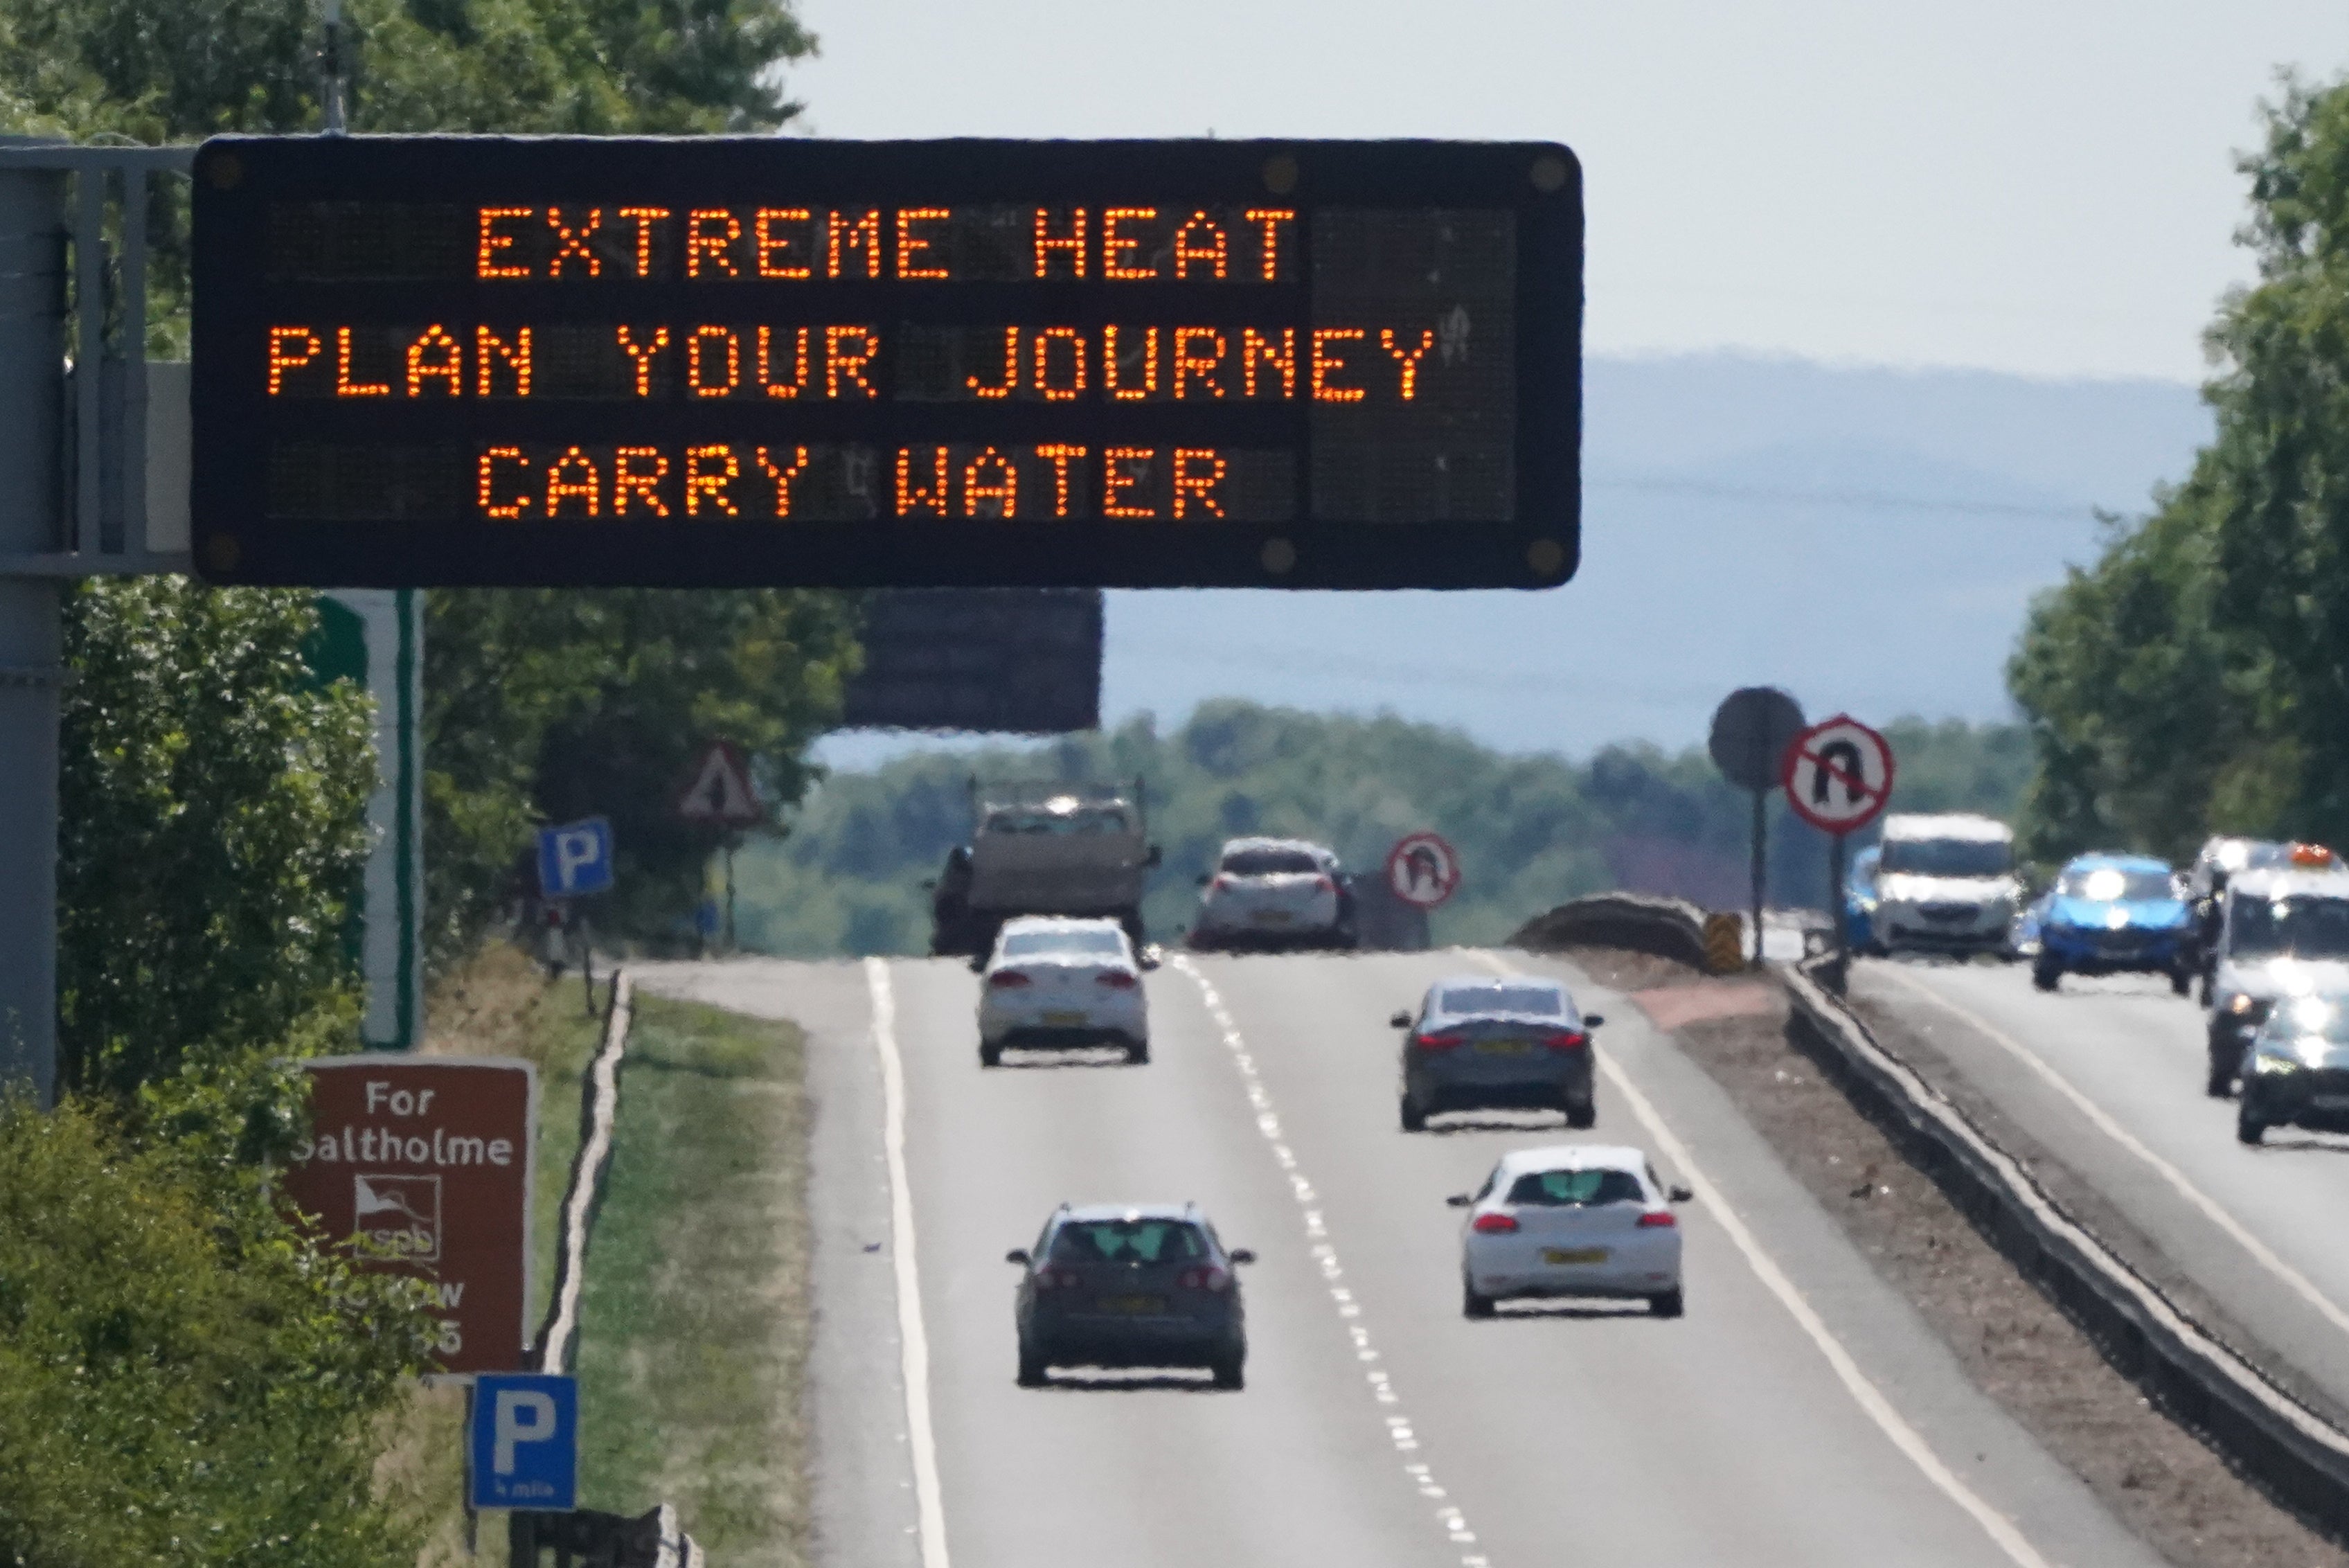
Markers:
point(584, 1537)
point(2206, 1387)
point(1725, 943)
point(1667, 927)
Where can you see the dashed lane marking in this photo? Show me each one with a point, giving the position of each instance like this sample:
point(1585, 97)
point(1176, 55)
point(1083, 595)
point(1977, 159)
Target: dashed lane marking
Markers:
point(913, 1340)
point(1400, 1431)
point(2300, 1284)
point(1864, 1392)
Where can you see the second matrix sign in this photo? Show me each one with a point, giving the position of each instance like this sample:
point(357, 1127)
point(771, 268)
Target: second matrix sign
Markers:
point(460, 361)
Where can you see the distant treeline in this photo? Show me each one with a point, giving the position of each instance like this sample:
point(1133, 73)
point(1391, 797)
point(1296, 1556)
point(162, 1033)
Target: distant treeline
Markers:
point(1531, 830)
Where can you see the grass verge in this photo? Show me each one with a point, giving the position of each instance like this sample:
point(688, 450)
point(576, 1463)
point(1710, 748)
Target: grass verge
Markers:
point(696, 1315)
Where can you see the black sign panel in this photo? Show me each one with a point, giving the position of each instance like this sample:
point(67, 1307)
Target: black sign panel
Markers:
point(726, 361)
point(1022, 661)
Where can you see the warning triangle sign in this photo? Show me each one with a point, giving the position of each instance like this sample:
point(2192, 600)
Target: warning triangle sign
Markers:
point(719, 790)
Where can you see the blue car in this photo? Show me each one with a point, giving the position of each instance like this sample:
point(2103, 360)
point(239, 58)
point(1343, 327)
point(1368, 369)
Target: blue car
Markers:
point(2114, 914)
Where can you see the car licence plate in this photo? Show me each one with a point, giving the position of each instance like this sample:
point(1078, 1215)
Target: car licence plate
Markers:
point(1136, 1305)
point(1574, 1254)
point(2330, 1102)
point(1272, 917)
point(1064, 1019)
point(1503, 1047)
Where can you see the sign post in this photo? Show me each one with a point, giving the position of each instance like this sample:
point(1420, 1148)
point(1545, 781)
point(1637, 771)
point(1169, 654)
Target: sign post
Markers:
point(1839, 774)
point(423, 1165)
point(718, 792)
point(1751, 730)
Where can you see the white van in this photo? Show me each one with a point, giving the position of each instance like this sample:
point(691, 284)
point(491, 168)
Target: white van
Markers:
point(1945, 883)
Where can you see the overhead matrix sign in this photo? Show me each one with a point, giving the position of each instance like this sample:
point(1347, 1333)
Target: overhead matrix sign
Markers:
point(437, 361)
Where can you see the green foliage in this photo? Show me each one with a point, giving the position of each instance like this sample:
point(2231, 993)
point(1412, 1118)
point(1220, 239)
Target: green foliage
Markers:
point(1531, 831)
point(2196, 679)
point(213, 828)
point(550, 706)
point(181, 1379)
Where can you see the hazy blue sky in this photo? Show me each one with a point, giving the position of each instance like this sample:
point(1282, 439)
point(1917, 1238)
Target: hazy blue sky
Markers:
point(2041, 187)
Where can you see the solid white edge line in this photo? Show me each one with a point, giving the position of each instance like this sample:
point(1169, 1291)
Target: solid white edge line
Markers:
point(913, 1340)
point(1863, 1390)
point(2103, 1122)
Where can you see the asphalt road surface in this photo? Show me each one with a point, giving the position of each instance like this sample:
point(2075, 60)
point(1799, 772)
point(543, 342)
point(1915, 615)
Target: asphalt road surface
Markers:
point(2107, 1075)
point(1800, 1413)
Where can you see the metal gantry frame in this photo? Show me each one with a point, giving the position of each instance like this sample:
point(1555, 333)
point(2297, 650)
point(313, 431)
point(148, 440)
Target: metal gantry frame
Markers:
point(74, 502)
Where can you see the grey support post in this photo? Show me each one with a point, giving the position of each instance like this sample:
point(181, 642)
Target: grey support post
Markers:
point(32, 494)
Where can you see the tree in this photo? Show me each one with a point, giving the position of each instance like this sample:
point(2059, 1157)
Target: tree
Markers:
point(2196, 679)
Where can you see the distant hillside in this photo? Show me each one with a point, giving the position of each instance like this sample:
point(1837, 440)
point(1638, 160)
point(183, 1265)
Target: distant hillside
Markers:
point(1866, 538)
point(1531, 830)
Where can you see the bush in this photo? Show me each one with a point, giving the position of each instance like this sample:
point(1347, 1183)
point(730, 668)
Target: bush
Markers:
point(183, 1378)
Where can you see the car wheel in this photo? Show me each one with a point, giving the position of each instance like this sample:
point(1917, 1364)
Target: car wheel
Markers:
point(1032, 1374)
point(1666, 1304)
point(1582, 1117)
point(1138, 1052)
point(2044, 975)
point(2248, 1128)
point(1231, 1371)
point(990, 1054)
point(1471, 1303)
point(1414, 1118)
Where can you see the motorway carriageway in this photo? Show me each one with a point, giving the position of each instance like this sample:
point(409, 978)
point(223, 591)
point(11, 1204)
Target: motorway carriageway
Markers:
point(2106, 1074)
point(1800, 1414)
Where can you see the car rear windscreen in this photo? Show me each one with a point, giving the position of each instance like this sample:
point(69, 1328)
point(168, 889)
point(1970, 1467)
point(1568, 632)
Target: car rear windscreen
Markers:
point(1270, 863)
point(1574, 1188)
point(1128, 1241)
point(1077, 944)
point(1539, 1000)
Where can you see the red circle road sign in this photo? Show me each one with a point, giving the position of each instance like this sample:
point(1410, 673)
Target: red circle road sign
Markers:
point(1423, 870)
point(1839, 774)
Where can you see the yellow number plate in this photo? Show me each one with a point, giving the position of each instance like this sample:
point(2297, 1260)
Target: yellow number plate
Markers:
point(1574, 1254)
point(1064, 1019)
point(1503, 1047)
point(1133, 1304)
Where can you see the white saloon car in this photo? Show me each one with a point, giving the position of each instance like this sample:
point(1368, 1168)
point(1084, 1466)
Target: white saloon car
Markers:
point(1571, 1220)
point(1054, 983)
point(1273, 892)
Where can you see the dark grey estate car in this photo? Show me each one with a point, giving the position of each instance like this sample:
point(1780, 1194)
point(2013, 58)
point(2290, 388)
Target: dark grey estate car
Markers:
point(1481, 1042)
point(1118, 1285)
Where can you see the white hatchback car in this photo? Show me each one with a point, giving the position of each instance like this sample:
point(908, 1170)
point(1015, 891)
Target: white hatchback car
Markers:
point(1055, 982)
point(1273, 892)
point(1571, 1220)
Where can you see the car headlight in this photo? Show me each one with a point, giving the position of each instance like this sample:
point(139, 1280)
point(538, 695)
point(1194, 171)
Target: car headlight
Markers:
point(2268, 1062)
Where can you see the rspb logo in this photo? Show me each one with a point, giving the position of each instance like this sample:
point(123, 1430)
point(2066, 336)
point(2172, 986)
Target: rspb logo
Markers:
point(398, 1215)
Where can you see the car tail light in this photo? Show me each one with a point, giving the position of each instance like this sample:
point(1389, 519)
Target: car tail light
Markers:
point(1116, 980)
point(1209, 1278)
point(1323, 884)
point(1494, 1224)
point(1056, 1279)
point(1007, 980)
point(1658, 1219)
point(1222, 883)
point(1438, 1042)
point(1567, 1040)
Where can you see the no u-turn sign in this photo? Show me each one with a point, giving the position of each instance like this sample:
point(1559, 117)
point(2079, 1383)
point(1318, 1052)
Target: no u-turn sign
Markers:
point(1839, 774)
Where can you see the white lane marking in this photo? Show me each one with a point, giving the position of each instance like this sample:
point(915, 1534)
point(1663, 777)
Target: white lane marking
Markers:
point(1398, 1430)
point(1865, 1392)
point(913, 1340)
point(2209, 1207)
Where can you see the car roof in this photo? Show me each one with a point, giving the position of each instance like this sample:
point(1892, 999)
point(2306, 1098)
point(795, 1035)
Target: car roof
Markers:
point(2284, 881)
point(1947, 825)
point(1059, 923)
point(2100, 860)
point(1320, 851)
point(1096, 1211)
point(1576, 1156)
point(1498, 981)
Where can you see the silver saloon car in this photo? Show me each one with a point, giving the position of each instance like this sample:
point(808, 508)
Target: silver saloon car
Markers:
point(1478, 1042)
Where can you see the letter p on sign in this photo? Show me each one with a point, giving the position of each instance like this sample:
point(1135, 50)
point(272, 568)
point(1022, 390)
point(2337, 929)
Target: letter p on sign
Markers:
point(524, 1442)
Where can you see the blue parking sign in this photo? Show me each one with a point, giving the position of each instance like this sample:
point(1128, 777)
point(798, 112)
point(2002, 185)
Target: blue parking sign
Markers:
point(575, 859)
point(524, 1445)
